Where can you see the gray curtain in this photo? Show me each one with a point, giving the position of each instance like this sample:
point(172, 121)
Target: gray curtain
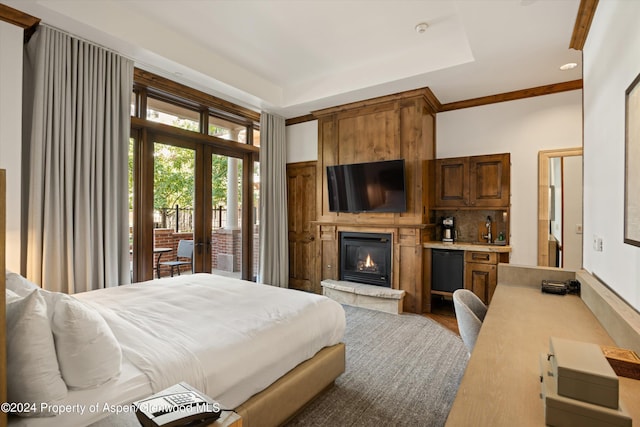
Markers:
point(274, 239)
point(77, 116)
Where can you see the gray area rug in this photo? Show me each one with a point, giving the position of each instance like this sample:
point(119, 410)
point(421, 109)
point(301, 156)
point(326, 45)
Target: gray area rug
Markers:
point(401, 371)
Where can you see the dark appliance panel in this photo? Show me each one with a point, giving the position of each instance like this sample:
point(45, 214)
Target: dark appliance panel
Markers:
point(447, 270)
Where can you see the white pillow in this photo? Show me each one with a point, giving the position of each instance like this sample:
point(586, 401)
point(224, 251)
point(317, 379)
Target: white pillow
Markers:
point(19, 284)
point(11, 296)
point(88, 353)
point(33, 374)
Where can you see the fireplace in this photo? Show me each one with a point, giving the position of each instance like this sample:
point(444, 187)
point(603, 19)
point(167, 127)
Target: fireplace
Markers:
point(365, 258)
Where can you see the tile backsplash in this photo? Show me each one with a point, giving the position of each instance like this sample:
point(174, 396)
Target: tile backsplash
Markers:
point(466, 223)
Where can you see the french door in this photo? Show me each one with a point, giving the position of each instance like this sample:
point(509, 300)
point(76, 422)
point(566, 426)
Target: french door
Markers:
point(189, 190)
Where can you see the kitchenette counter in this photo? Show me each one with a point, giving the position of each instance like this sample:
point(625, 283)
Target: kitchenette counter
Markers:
point(467, 246)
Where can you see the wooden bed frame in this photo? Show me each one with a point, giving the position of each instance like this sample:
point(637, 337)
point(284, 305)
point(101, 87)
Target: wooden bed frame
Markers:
point(269, 408)
point(288, 395)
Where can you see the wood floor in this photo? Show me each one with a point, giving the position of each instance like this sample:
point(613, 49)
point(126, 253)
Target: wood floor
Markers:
point(442, 312)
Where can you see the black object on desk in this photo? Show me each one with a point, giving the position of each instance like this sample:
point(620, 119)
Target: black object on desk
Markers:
point(560, 288)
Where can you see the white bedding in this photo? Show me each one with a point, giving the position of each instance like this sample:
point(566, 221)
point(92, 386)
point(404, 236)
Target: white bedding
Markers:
point(227, 337)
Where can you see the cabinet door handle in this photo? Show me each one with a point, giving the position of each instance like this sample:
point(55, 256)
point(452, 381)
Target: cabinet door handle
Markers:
point(482, 257)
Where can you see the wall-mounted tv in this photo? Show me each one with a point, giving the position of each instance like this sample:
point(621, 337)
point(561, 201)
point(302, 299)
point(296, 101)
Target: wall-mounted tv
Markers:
point(367, 187)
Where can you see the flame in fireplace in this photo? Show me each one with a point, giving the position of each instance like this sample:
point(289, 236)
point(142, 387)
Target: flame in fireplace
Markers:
point(368, 263)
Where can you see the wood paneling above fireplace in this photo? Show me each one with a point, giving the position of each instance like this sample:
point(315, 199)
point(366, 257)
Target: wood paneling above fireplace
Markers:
point(400, 126)
point(374, 130)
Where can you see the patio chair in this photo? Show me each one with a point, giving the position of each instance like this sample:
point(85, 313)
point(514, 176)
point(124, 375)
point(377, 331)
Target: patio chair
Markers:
point(185, 250)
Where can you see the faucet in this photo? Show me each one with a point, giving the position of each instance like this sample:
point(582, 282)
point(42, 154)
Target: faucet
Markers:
point(488, 235)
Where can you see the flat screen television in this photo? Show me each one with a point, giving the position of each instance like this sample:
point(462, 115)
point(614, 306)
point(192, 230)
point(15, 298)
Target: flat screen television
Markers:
point(367, 187)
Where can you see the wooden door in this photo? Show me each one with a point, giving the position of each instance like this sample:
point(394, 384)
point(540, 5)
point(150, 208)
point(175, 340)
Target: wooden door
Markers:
point(301, 202)
point(489, 180)
point(452, 182)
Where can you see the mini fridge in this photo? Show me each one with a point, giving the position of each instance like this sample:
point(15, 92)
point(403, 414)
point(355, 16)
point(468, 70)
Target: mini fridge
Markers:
point(447, 270)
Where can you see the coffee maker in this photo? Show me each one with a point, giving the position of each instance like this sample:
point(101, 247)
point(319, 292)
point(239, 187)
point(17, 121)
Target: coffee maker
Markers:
point(447, 229)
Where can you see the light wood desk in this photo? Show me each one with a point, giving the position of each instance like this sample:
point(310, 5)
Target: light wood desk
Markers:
point(501, 385)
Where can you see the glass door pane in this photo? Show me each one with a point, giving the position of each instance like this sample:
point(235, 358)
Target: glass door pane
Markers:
point(174, 172)
point(226, 218)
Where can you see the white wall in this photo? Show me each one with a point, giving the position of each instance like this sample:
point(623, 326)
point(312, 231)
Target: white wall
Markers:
point(611, 62)
point(522, 128)
point(572, 218)
point(11, 38)
point(302, 142)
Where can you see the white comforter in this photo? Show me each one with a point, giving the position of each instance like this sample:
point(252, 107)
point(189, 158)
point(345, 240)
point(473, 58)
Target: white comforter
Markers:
point(229, 338)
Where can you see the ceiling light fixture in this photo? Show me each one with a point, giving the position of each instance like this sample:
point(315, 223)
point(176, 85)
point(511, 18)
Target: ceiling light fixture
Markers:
point(568, 66)
point(421, 27)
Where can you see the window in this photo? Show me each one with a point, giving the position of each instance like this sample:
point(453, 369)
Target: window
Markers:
point(225, 129)
point(172, 115)
point(201, 171)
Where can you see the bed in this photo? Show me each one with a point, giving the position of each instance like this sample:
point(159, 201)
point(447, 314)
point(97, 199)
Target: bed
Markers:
point(229, 338)
point(260, 350)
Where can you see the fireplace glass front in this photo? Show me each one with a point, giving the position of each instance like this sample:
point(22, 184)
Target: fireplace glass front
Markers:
point(365, 258)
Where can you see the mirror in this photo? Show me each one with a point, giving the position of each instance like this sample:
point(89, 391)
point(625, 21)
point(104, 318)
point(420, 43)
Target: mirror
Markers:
point(560, 208)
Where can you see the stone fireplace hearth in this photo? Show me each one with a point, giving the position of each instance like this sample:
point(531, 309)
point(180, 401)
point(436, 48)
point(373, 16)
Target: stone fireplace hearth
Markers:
point(362, 295)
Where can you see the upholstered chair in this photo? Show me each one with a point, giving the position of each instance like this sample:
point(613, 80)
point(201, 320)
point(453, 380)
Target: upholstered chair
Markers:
point(470, 312)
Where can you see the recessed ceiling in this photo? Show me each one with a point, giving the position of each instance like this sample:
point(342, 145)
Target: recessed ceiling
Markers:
point(294, 56)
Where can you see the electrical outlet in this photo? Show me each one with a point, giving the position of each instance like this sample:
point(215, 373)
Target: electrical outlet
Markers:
point(597, 243)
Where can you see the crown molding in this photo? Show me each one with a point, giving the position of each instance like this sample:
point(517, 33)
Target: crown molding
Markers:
point(20, 19)
point(586, 10)
point(512, 96)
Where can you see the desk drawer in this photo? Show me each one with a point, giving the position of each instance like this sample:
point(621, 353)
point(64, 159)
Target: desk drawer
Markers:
point(481, 257)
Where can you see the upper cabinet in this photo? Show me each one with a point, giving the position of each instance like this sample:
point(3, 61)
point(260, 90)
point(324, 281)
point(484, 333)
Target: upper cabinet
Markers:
point(452, 182)
point(473, 182)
